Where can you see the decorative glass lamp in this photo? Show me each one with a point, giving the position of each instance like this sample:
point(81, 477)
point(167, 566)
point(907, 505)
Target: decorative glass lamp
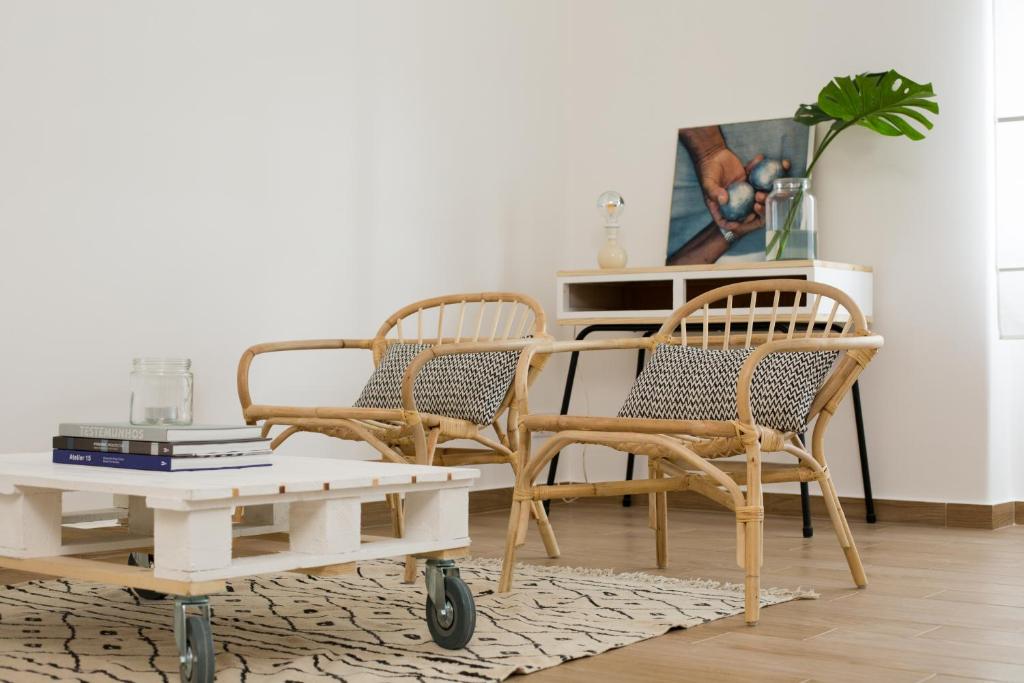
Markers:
point(612, 255)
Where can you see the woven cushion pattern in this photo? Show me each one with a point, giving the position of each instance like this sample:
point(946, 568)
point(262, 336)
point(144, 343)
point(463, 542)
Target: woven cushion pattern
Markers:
point(464, 386)
point(687, 383)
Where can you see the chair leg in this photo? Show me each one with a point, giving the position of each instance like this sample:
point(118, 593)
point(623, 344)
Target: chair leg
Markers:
point(752, 517)
point(397, 514)
point(652, 501)
point(753, 549)
point(658, 514)
point(410, 570)
point(398, 529)
point(522, 528)
point(661, 528)
point(842, 527)
point(518, 516)
point(547, 534)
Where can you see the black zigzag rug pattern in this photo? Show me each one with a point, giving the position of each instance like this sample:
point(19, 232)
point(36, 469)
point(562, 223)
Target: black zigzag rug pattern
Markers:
point(360, 628)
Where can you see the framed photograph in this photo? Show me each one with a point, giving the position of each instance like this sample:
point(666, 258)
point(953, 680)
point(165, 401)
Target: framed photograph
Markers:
point(723, 174)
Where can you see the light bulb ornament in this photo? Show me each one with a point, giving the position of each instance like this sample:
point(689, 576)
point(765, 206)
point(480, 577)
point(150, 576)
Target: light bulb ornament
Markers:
point(611, 255)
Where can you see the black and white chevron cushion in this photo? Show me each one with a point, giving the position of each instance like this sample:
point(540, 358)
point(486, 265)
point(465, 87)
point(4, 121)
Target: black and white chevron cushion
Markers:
point(687, 383)
point(465, 386)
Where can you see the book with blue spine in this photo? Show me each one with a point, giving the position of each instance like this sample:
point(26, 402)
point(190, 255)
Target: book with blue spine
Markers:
point(155, 463)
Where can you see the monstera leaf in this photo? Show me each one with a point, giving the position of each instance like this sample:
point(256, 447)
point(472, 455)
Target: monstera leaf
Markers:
point(887, 103)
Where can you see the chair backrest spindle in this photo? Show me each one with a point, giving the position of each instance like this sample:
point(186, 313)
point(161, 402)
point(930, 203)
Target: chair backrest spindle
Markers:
point(775, 314)
point(462, 318)
point(728, 323)
point(707, 308)
point(526, 322)
point(831, 318)
point(479, 321)
point(793, 316)
point(750, 318)
point(512, 315)
point(814, 315)
point(497, 319)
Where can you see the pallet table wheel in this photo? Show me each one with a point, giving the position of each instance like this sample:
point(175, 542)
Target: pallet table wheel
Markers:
point(194, 639)
point(451, 611)
point(144, 560)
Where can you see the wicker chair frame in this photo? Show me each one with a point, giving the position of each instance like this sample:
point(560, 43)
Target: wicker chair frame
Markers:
point(453, 324)
point(688, 454)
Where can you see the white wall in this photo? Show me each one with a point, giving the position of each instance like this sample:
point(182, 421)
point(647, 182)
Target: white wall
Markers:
point(461, 119)
point(191, 178)
point(1008, 353)
point(915, 211)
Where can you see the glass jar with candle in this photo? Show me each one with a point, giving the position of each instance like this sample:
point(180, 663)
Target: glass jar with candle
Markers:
point(161, 391)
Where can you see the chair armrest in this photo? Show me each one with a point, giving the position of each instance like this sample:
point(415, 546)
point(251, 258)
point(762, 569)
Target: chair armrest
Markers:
point(868, 342)
point(424, 357)
point(272, 347)
point(552, 346)
point(310, 344)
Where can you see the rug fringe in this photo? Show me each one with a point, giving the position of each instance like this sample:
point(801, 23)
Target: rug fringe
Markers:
point(798, 593)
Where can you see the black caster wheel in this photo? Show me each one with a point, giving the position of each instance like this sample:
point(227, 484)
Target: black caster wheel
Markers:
point(144, 560)
point(197, 662)
point(452, 627)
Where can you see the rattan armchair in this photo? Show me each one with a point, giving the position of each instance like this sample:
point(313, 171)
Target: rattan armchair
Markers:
point(454, 324)
point(770, 316)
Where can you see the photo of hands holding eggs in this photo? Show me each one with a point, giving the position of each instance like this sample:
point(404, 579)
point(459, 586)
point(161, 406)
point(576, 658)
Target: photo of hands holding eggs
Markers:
point(723, 175)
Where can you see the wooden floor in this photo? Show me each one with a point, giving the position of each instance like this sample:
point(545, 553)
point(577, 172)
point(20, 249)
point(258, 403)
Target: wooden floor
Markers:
point(942, 605)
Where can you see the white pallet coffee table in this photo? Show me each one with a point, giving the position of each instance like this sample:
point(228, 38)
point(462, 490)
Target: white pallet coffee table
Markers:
point(190, 517)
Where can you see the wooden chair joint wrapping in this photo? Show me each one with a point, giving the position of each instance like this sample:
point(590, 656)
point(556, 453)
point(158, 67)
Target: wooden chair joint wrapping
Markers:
point(749, 513)
point(521, 494)
point(770, 440)
point(861, 356)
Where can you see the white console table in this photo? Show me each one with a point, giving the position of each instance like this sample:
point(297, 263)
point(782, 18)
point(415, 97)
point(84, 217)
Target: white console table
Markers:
point(645, 296)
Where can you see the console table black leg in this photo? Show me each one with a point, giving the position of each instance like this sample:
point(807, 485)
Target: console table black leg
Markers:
point(627, 500)
point(805, 509)
point(865, 473)
point(805, 502)
point(566, 398)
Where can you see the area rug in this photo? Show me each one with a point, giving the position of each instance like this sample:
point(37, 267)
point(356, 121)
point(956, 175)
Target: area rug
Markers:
point(358, 628)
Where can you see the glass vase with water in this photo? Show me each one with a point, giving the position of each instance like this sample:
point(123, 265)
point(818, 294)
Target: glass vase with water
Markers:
point(789, 221)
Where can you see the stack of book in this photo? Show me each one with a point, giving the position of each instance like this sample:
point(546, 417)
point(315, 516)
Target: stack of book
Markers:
point(170, 448)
